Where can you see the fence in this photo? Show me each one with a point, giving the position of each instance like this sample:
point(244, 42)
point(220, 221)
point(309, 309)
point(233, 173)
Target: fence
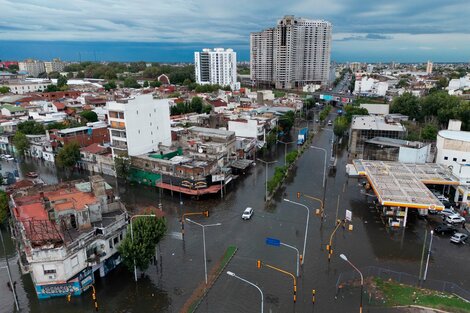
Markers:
point(404, 278)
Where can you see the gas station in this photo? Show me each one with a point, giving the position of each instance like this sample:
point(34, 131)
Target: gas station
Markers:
point(402, 186)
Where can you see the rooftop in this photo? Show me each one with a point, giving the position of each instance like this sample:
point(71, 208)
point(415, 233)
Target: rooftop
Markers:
point(391, 142)
point(455, 135)
point(369, 122)
point(403, 185)
point(211, 131)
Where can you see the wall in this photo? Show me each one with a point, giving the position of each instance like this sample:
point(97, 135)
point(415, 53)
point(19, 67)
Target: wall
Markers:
point(412, 155)
point(247, 129)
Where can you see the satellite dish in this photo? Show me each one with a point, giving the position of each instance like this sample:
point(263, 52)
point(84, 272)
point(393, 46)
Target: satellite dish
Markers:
point(200, 150)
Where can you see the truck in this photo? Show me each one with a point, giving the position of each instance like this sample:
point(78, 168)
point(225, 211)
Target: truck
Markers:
point(302, 136)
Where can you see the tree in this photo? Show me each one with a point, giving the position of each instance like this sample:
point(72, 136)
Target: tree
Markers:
point(429, 132)
point(286, 121)
point(146, 84)
point(4, 89)
point(61, 81)
point(4, 210)
point(196, 104)
point(155, 84)
point(139, 248)
point(122, 165)
point(69, 155)
point(81, 74)
point(130, 82)
point(351, 110)
point(407, 104)
point(51, 88)
point(110, 85)
point(89, 115)
point(31, 128)
point(341, 125)
point(56, 125)
point(21, 142)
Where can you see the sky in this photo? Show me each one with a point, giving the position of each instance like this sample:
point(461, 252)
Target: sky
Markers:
point(119, 30)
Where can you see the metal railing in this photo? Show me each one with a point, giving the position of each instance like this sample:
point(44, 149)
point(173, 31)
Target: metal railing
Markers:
point(348, 278)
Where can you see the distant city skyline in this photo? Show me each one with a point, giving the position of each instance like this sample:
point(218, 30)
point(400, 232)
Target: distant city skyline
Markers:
point(119, 30)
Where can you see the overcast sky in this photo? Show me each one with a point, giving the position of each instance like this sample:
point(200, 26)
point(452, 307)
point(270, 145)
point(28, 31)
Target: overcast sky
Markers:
point(376, 30)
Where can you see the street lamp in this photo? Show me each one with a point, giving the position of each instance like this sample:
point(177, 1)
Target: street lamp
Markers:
point(285, 150)
point(306, 226)
point(362, 277)
point(204, 241)
point(324, 178)
point(132, 238)
point(267, 163)
point(429, 254)
point(248, 282)
point(276, 243)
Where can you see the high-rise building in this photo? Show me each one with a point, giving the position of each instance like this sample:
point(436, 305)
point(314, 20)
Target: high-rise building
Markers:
point(294, 53)
point(56, 65)
point(429, 67)
point(33, 67)
point(218, 66)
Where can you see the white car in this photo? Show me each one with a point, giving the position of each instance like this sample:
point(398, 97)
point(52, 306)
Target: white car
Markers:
point(454, 219)
point(8, 157)
point(247, 214)
point(330, 123)
point(447, 212)
point(458, 238)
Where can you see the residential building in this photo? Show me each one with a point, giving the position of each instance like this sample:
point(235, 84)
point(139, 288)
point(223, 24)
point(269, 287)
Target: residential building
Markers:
point(375, 108)
point(25, 86)
point(32, 67)
point(13, 111)
point(368, 86)
point(365, 127)
point(65, 233)
point(83, 135)
point(218, 66)
point(389, 149)
point(247, 128)
point(56, 65)
point(429, 66)
point(294, 53)
point(139, 124)
point(98, 159)
point(453, 145)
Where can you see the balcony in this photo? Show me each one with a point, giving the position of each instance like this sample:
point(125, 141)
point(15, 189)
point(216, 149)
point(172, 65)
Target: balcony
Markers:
point(118, 125)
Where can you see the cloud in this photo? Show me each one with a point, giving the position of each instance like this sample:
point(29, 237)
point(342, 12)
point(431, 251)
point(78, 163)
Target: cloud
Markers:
point(364, 37)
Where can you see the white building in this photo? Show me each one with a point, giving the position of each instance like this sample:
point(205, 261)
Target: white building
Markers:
point(294, 53)
point(22, 87)
point(139, 125)
point(368, 86)
point(429, 67)
point(33, 67)
point(376, 109)
point(218, 66)
point(56, 65)
point(462, 83)
point(248, 128)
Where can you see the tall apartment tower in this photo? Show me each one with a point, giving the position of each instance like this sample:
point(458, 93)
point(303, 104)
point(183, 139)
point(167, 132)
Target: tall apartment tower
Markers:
point(294, 53)
point(429, 68)
point(33, 67)
point(218, 66)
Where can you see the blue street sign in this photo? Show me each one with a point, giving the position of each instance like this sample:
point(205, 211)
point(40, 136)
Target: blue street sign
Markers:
point(273, 242)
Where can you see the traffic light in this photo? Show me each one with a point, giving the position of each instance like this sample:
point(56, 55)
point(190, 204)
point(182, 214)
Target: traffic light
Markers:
point(298, 195)
point(69, 296)
point(313, 295)
point(328, 248)
point(258, 263)
point(206, 213)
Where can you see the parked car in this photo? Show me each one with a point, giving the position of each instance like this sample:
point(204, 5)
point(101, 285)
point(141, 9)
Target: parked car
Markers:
point(454, 219)
point(8, 157)
point(445, 229)
point(247, 214)
point(330, 123)
point(447, 212)
point(458, 238)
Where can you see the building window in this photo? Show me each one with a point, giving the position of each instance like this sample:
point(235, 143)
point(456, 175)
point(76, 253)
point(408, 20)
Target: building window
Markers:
point(446, 158)
point(464, 160)
point(120, 236)
point(115, 240)
point(455, 159)
point(48, 269)
point(110, 243)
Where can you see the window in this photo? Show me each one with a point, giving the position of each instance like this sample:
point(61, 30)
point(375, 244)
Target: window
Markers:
point(464, 160)
point(49, 269)
point(110, 243)
point(116, 240)
point(120, 236)
point(446, 158)
point(455, 159)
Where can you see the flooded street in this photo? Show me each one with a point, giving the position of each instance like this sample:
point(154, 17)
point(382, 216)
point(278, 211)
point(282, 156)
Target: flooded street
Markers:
point(167, 285)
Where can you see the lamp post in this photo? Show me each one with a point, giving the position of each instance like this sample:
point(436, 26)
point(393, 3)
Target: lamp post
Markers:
point(266, 191)
point(204, 241)
point(362, 278)
point(285, 150)
point(429, 254)
point(248, 282)
point(306, 226)
point(276, 243)
point(132, 238)
point(7, 267)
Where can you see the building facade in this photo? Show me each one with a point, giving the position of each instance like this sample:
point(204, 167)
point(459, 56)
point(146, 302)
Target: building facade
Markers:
point(33, 67)
point(139, 125)
point(294, 53)
point(218, 66)
point(56, 65)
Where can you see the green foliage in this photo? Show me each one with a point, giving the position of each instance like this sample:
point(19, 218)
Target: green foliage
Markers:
point(4, 210)
point(351, 110)
point(403, 83)
point(4, 89)
point(196, 104)
point(147, 232)
point(31, 128)
point(291, 157)
point(155, 84)
point(286, 121)
point(55, 75)
point(279, 93)
point(90, 116)
point(51, 88)
point(69, 155)
point(324, 113)
point(61, 81)
point(21, 142)
point(110, 85)
point(122, 165)
point(407, 104)
point(271, 137)
point(208, 88)
point(146, 84)
point(429, 132)
point(56, 125)
point(340, 126)
point(130, 82)
point(279, 172)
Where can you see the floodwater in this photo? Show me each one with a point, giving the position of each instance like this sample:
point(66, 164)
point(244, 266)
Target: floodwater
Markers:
point(167, 285)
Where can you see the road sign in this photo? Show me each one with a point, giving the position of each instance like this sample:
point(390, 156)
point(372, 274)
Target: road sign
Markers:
point(273, 242)
point(348, 215)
